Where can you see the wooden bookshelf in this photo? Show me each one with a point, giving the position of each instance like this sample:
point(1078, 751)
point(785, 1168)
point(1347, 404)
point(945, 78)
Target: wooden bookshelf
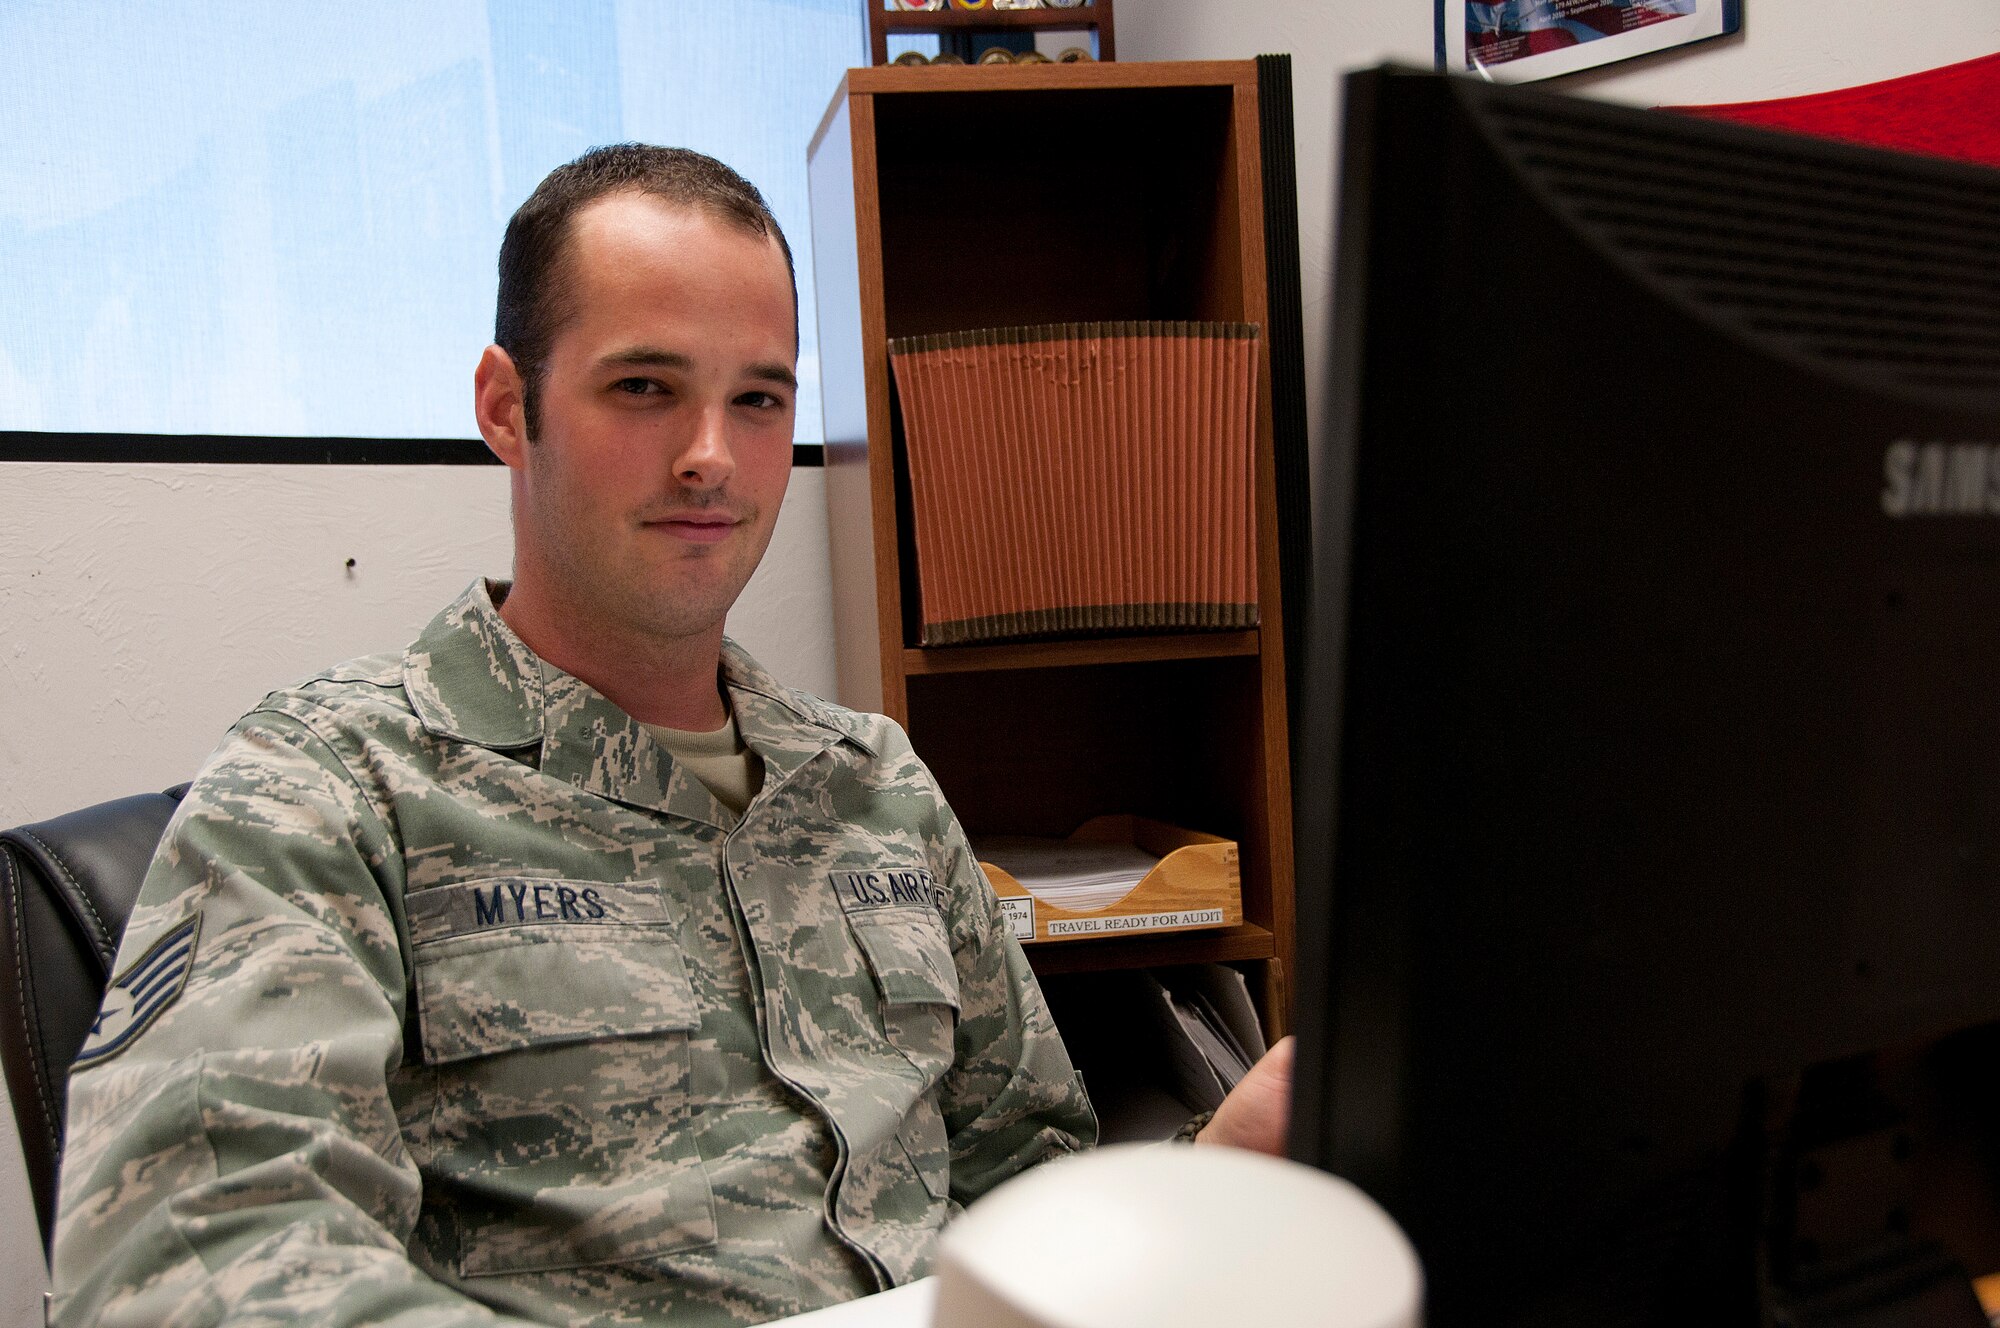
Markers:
point(950, 198)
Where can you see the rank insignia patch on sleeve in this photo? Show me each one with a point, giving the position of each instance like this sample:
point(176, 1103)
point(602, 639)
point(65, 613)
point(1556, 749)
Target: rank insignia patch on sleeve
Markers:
point(137, 996)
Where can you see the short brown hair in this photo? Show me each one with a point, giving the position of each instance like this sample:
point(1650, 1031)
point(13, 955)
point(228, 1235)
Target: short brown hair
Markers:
point(533, 304)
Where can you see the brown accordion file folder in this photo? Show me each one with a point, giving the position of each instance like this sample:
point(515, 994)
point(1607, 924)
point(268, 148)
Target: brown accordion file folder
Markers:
point(1081, 478)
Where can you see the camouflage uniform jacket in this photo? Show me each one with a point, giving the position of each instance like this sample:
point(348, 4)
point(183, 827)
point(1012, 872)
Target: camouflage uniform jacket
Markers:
point(450, 993)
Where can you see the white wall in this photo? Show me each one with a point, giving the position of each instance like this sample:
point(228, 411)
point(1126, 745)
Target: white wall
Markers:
point(146, 607)
point(1786, 48)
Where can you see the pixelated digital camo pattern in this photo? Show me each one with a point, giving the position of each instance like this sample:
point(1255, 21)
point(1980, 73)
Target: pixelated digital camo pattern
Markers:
point(495, 1009)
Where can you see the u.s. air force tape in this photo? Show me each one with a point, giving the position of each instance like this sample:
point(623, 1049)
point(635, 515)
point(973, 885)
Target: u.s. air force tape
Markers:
point(137, 996)
point(887, 887)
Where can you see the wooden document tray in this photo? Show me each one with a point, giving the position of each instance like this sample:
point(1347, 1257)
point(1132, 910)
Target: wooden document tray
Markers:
point(1197, 884)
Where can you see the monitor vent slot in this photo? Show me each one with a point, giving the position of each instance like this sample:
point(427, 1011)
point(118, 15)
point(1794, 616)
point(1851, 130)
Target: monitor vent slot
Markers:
point(1890, 273)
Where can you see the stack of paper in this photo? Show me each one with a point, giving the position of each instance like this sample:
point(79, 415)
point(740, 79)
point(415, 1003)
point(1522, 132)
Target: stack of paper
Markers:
point(1081, 877)
point(1157, 1047)
point(1212, 1006)
point(1081, 478)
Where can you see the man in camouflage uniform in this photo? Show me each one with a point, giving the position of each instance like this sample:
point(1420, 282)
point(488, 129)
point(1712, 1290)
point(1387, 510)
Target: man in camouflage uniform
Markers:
point(462, 987)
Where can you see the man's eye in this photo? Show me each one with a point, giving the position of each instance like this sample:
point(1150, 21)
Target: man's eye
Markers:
point(761, 400)
point(637, 387)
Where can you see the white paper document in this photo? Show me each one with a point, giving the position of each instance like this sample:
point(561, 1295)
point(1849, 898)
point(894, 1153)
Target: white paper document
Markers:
point(1079, 877)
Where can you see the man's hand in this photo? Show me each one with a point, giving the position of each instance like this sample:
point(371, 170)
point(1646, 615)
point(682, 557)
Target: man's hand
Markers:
point(1257, 1111)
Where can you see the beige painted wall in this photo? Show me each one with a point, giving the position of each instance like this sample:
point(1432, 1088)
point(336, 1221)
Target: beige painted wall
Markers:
point(146, 607)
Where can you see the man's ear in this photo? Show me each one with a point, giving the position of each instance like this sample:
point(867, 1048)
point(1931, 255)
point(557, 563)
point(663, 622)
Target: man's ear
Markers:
point(498, 401)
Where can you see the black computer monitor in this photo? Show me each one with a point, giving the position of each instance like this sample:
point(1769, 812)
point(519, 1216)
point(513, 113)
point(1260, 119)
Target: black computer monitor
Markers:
point(1649, 871)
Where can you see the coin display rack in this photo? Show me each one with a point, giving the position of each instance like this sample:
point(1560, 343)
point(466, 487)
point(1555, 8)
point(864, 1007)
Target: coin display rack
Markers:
point(997, 55)
point(1090, 20)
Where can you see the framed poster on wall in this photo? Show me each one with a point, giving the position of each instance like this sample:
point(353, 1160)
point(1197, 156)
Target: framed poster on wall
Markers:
point(1515, 41)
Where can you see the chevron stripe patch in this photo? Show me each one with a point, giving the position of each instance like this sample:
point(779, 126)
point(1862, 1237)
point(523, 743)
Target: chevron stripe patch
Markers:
point(138, 995)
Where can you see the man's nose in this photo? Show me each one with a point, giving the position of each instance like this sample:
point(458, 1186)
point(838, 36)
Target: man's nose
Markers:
point(707, 460)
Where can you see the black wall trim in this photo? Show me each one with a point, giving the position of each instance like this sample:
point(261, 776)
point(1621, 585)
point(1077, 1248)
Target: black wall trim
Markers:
point(236, 449)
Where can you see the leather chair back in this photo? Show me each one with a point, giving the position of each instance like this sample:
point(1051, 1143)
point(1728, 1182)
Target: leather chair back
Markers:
point(67, 886)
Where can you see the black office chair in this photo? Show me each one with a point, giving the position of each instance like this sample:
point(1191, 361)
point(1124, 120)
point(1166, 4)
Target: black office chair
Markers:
point(67, 886)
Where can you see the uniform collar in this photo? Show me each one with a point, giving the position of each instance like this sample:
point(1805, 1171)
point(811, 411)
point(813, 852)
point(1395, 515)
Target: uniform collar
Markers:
point(471, 679)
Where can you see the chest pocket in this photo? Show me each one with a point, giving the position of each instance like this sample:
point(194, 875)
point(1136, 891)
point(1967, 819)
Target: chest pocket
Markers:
point(911, 959)
point(555, 1016)
point(908, 954)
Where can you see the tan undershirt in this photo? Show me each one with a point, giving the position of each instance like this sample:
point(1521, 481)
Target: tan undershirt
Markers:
point(732, 772)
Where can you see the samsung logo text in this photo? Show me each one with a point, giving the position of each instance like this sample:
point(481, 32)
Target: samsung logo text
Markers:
point(1941, 479)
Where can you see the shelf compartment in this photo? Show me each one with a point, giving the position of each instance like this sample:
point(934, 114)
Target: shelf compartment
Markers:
point(1070, 479)
point(1224, 945)
point(1194, 875)
point(1041, 751)
point(1079, 652)
point(1042, 224)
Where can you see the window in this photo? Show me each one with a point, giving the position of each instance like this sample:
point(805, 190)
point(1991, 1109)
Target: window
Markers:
point(281, 220)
